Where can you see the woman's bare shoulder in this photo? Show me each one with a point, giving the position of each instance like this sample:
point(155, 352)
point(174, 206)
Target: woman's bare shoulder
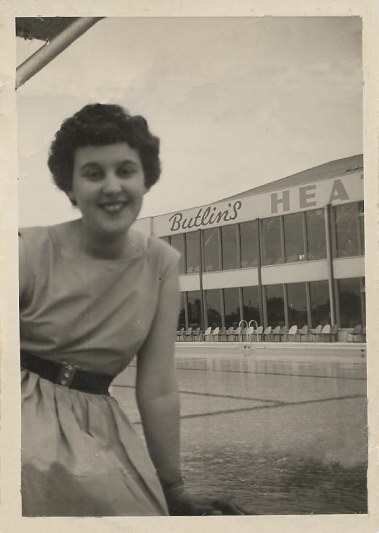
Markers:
point(32, 235)
point(163, 249)
point(40, 231)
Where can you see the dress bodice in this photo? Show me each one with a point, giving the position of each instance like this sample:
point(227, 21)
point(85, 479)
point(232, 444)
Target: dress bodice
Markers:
point(96, 313)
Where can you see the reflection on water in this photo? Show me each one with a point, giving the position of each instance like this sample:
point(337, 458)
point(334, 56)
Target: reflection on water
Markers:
point(279, 435)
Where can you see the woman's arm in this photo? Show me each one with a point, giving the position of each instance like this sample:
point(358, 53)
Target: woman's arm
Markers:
point(158, 403)
point(156, 386)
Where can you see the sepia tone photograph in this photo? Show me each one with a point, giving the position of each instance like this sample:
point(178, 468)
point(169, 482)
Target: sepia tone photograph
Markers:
point(191, 266)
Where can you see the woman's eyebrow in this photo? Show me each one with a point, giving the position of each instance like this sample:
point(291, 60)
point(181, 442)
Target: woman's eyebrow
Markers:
point(128, 162)
point(89, 165)
point(94, 164)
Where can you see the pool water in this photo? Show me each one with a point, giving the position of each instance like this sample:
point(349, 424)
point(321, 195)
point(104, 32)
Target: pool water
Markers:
point(279, 436)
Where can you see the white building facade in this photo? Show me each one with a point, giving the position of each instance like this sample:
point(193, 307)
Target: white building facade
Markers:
point(289, 252)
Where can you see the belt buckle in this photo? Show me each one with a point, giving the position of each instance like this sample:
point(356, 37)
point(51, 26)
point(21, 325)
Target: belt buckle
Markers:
point(66, 374)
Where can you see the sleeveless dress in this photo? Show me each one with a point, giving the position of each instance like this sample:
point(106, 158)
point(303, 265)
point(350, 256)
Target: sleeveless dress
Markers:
point(80, 454)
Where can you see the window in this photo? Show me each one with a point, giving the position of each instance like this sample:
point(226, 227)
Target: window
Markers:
point(229, 239)
point(250, 304)
point(177, 241)
point(232, 307)
point(297, 304)
point(213, 307)
point(294, 237)
point(194, 308)
point(350, 302)
point(363, 300)
point(315, 222)
point(346, 230)
point(211, 250)
point(182, 313)
point(271, 241)
point(193, 251)
point(361, 215)
point(249, 244)
point(320, 303)
point(275, 305)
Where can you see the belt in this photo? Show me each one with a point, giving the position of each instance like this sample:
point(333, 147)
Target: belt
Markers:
point(66, 374)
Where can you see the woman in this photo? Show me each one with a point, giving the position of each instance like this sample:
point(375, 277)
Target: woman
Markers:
point(94, 293)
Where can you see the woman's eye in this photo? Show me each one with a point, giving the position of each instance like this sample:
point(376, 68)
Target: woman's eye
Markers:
point(124, 172)
point(92, 175)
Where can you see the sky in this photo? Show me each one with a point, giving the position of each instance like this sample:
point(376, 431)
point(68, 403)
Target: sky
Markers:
point(236, 102)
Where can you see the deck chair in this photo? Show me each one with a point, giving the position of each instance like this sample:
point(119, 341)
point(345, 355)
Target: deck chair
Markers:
point(275, 333)
point(355, 334)
point(206, 334)
point(187, 334)
point(315, 332)
point(236, 333)
point(222, 333)
point(249, 333)
point(244, 333)
point(325, 333)
point(291, 334)
point(228, 333)
point(283, 332)
point(258, 333)
point(196, 334)
point(215, 333)
point(179, 334)
point(267, 332)
point(303, 332)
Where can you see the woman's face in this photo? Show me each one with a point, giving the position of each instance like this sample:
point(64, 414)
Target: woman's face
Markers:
point(108, 186)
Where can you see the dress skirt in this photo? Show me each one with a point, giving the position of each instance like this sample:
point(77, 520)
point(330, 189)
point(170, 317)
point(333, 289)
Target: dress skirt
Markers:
point(81, 456)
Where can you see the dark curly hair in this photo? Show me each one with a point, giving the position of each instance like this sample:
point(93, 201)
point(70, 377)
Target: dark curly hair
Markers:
point(102, 124)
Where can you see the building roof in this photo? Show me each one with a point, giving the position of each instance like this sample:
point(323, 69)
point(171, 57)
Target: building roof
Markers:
point(332, 169)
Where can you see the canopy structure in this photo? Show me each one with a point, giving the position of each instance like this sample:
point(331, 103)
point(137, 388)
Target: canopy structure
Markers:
point(57, 32)
point(42, 28)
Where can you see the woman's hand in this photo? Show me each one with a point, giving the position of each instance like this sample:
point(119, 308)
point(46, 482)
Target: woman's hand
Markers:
point(182, 503)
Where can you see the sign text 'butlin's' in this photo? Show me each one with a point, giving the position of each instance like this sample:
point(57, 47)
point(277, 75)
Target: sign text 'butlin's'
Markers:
point(205, 217)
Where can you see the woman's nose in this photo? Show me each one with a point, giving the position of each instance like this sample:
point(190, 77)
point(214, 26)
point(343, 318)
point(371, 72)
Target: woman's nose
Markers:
point(112, 183)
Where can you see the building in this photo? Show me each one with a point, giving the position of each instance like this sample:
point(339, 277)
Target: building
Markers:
point(288, 252)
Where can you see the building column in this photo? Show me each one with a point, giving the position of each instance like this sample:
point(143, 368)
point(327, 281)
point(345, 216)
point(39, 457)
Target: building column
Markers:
point(185, 299)
point(262, 314)
point(308, 300)
point(285, 304)
point(329, 258)
point(202, 299)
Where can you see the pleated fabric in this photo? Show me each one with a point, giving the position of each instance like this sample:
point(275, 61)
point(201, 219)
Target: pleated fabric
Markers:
point(82, 456)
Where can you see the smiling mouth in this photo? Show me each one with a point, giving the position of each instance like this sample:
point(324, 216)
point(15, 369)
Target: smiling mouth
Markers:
point(114, 207)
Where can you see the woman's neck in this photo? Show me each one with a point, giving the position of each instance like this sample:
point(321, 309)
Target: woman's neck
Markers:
point(102, 246)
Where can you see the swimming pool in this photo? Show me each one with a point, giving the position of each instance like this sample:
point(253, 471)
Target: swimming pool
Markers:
point(281, 431)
